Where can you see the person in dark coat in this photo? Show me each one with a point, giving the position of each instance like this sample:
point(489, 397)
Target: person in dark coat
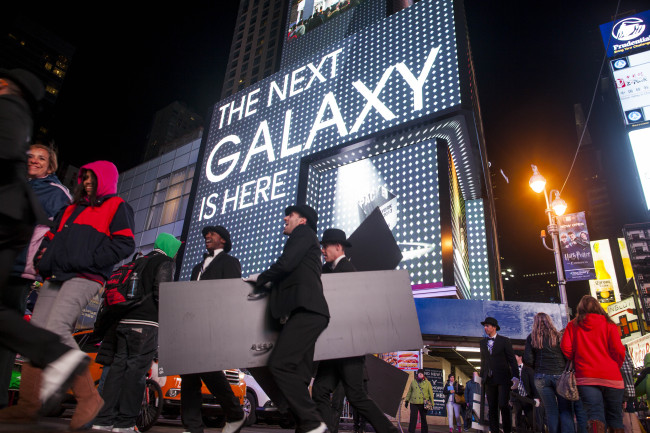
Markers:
point(217, 264)
point(498, 372)
point(351, 372)
point(20, 212)
point(524, 398)
point(298, 302)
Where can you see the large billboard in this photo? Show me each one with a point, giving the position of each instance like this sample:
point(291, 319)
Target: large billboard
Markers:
point(350, 97)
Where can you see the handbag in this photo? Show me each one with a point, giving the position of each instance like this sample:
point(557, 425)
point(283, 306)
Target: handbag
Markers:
point(566, 384)
point(427, 404)
point(459, 399)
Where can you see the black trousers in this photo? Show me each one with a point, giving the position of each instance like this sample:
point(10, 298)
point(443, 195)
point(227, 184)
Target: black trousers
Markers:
point(498, 398)
point(292, 364)
point(351, 373)
point(523, 410)
point(39, 345)
point(415, 410)
point(192, 399)
point(135, 348)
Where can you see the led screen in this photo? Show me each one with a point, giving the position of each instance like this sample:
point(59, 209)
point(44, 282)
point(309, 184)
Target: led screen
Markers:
point(404, 185)
point(632, 77)
point(640, 141)
point(627, 34)
point(377, 79)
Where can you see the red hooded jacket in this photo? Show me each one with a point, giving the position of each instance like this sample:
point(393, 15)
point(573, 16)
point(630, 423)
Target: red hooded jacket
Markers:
point(88, 241)
point(596, 349)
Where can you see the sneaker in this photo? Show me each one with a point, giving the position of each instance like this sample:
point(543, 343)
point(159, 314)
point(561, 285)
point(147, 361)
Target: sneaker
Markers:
point(58, 376)
point(234, 426)
point(133, 429)
point(102, 427)
point(322, 428)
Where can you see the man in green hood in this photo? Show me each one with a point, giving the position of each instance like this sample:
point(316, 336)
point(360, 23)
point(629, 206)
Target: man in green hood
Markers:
point(136, 342)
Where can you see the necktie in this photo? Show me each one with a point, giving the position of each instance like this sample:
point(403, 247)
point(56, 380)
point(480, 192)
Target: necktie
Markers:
point(490, 344)
point(522, 390)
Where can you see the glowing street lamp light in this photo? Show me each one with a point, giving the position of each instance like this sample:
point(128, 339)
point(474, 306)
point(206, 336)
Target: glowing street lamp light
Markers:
point(553, 209)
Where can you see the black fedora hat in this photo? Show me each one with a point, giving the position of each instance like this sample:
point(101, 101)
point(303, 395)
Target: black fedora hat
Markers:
point(221, 231)
point(31, 86)
point(491, 321)
point(335, 236)
point(306, 212)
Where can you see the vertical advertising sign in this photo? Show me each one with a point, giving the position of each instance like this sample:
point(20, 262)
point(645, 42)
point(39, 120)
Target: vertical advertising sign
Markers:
point(604, 287)
point(640, 141)
point(575, 248)
point(434, 375)
point(624, 314)
point(637, 239)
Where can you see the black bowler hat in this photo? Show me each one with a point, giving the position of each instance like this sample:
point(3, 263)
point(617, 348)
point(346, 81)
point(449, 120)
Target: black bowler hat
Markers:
point(306, 212)
point(221, 231)
point(491, 321)
point(335, 236)
point(31, 86)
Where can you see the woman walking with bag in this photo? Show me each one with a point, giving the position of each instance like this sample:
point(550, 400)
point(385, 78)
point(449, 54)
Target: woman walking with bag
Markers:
point(544, 355)
point(453, 409)
point(419, 392)
point(593, 342)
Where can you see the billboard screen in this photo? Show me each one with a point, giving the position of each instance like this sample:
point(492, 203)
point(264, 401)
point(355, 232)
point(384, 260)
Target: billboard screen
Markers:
point(626, 34)
point(377, 79)
point(640, 141)
point(632, 78)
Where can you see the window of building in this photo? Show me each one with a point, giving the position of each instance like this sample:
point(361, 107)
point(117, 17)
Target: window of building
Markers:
point(170, 198)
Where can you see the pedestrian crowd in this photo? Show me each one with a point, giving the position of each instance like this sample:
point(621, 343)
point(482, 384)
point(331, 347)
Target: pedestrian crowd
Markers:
point(71, 244)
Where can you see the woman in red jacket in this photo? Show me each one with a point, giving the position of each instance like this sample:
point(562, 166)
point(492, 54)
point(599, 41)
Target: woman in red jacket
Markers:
point(593, 341)
point(77, 255)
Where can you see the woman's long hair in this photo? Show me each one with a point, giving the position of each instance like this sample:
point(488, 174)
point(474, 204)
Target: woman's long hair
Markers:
point(80, 195)
point(544, 330)
point(589, 305)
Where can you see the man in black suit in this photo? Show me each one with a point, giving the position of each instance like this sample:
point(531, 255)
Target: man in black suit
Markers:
point(297, 301)
point(524, 398)
point(498, 371)
point(216, 264)
point(351, 372)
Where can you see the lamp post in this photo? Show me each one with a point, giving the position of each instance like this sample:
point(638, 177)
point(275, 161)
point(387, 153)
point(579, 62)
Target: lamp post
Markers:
point(553, 209)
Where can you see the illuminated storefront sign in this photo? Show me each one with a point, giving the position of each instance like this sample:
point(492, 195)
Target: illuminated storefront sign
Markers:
point(377, 79)
point(632, 78)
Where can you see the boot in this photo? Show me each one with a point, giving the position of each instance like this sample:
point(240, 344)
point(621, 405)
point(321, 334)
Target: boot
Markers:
point(89, 402)
point(595, 426)
point(460, 429)
point(29, 403)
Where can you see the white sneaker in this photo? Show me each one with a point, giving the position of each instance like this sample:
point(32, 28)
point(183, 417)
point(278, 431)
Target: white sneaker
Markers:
point(58, 376)
point(322, 428)
point(133, 429)
point(102, 427)
point(234, 426)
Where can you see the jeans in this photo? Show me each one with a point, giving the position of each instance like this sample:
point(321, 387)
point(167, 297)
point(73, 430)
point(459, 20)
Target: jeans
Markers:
point(581, 416)
point(453, 411)
point(559, 411)
point(602, 403)
point(135, 348)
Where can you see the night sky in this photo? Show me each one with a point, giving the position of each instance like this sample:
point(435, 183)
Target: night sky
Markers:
point(534, 61)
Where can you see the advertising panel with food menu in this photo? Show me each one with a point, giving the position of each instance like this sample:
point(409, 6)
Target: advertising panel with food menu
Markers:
point(405, 360)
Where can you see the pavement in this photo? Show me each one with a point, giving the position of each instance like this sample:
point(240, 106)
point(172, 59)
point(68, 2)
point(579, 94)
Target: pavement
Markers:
point(60, 425)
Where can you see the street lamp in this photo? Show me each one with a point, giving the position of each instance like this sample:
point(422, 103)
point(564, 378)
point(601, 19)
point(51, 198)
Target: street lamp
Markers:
point(555, 208)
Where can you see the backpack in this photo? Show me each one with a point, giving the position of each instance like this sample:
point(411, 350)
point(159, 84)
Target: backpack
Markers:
point(119, 284)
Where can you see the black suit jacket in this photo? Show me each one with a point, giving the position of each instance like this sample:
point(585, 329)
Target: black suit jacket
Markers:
point(527, 378)
point(296, 276)
point(499, 366)
point(344, 265)
point(221, 267)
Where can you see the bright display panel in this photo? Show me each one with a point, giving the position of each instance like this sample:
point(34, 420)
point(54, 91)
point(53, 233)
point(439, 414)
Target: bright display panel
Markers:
point(640, 141)
point(377, 79)
point(626, 34)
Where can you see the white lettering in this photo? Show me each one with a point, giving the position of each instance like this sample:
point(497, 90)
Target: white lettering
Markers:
point(417, 83)
point(250, 102)
point(211, 205)
point(227, 199)
point(294, 81)
point(282, 94)
point(245, 194)
point(285, 150)
point(262, 130)
point(230, 158)
point(372, 99)
point(276, 184)
point(328, 102)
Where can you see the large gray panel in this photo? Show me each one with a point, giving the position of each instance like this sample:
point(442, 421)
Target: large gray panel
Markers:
point(211, 325)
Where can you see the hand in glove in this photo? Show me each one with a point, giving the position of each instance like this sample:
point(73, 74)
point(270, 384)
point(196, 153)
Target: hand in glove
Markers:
point(406, 404)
